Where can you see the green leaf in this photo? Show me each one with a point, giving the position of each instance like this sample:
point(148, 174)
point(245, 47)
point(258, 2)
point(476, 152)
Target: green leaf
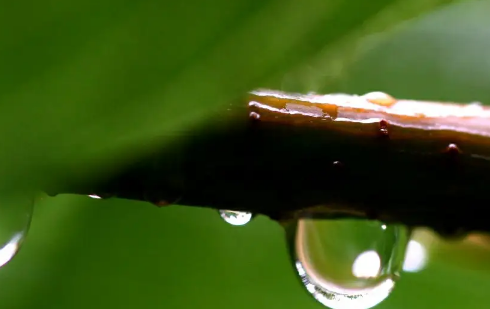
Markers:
point(86, 84)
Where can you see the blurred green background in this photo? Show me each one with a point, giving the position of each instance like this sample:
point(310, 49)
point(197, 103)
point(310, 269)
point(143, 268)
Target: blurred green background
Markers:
point(86, 85)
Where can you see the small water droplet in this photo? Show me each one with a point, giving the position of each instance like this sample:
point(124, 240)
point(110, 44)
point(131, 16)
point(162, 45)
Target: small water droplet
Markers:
point(15, 219)
point(162, 203)
point(338, 168)
point(453, 149)
point(94, 196)
point(236, 217)
point(162, 198)
point(254, 115)
point(380, 98)
point(347, 263)
point(383, 127)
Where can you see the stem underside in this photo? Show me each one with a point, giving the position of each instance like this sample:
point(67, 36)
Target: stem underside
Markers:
point(292, 156)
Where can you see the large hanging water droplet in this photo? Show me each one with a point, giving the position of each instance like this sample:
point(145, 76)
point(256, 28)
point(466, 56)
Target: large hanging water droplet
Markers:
point(15, 218)
point(236, 217)
point(348, 263)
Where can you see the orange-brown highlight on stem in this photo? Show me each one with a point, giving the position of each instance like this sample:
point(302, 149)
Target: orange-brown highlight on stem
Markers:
point(379, 114)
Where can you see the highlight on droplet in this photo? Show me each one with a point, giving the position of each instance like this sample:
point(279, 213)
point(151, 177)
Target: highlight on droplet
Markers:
point(236, 217)
point(15, 218)
point(95, 196)
point(8, 251)
point(335, 297)
point(367, 265)
point(416, 257)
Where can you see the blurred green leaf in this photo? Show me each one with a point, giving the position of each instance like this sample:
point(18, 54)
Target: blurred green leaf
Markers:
point(86, 83)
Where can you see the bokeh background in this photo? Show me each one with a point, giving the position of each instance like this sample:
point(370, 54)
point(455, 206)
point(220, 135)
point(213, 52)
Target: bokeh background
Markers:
point(86, 85)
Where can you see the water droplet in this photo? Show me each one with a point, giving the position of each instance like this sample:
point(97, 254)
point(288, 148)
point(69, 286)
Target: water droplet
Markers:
point(380, 98)
point(95, 196)
point(15, 218)
point(347, 263)
point(236, 217)
point(453, 149)
point(338, 168)
point(162, 203)
point(162, 198)
point(383, 127)
point(254, 115)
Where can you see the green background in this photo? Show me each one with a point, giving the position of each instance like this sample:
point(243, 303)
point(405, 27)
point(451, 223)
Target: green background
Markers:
point(85, 85)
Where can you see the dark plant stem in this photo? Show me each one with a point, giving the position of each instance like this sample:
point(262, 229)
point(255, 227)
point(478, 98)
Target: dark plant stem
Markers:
point(287, 156)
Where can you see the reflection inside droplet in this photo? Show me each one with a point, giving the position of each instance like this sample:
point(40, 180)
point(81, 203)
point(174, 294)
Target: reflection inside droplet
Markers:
point(95, 196)
point(367, 264)
point(347, 263)
point(236, 217)
point(15, 218)
point(415, 258)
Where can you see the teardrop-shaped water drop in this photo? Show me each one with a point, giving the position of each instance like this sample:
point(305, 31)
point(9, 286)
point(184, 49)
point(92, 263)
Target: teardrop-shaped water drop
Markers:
point(347, 263)
point(236, 217)
point(15, 218)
